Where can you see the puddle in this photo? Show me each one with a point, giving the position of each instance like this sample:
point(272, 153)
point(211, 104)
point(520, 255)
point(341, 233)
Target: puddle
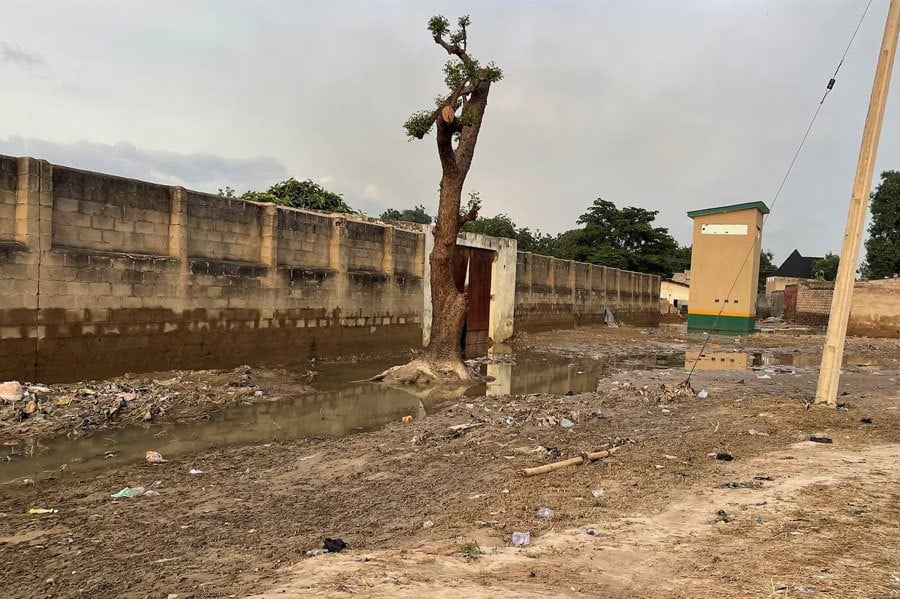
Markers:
point(339, 408)
point(743, 360)
point(532, 373)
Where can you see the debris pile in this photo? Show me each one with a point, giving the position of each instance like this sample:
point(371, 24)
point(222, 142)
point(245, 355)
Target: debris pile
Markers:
point(73, 408)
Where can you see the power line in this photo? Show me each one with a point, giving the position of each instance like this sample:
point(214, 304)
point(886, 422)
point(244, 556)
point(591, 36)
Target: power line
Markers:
point(790, 168)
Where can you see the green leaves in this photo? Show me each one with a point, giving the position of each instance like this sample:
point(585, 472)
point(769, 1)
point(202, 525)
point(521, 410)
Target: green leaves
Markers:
point(300, 194)
point(825, 269)
point(461, 72)
point(414, 215)
point(419, 124)
point(438, 25)
point(883, 244)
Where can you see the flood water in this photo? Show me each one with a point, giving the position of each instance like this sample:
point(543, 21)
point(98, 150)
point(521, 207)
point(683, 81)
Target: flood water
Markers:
point(344, 404)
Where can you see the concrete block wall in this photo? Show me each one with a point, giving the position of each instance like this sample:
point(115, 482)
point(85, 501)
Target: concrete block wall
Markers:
point(874, 312)
point(553, 293)
point(813, 302)
point(104, 275)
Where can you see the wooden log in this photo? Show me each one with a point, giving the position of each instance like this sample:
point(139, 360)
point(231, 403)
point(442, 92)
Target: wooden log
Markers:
point(583, 458)
point(458, 429)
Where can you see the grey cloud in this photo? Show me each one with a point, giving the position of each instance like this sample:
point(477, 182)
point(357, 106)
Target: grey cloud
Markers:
point(16, 55)
point(200, 171)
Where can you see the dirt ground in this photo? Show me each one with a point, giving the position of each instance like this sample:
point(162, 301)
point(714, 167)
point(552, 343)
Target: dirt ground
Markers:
point(427, 512)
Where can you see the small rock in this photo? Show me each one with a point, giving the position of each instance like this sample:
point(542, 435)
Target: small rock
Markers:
point(521, 539)
point(427, 524)
point(724, 457)
point(545, 512)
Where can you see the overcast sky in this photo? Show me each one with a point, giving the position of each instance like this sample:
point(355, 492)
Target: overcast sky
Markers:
point(670, 106)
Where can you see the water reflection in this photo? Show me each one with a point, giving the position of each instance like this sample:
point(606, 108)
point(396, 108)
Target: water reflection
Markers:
point(528, 373)
point(717, 360)
point(355, 407)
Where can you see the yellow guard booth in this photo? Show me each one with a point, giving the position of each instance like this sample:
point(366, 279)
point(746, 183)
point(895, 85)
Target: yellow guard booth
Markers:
point(725, 267)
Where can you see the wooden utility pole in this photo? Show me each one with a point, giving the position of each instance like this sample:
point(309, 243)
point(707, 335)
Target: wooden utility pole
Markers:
point(832, 355)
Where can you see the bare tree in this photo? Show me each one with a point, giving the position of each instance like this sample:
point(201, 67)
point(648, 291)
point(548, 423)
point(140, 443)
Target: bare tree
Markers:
point(457, 120)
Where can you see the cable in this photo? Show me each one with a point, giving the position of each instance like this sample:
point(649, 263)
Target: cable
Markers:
point(777, 195)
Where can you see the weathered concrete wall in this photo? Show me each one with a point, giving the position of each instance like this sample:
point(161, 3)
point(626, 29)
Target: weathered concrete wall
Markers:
point(553, 293)
point(103, 275)
point(875, 311)
point(813, 302)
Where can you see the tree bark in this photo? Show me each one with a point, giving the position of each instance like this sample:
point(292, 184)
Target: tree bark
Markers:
point(449, 305)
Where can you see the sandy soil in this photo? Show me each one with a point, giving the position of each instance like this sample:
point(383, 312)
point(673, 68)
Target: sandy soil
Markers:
point(426, 512)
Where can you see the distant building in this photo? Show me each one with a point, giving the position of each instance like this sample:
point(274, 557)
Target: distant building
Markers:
point(794, 269)
point(675, 293)
point(797, 266)
point(682, 277)
point(725, 267)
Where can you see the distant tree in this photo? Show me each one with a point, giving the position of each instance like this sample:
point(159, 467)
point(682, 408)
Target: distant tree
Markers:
point(766, 269)
point(503, 226)
point(682, 259)
point(414, 215)
point(298, 194)
point(622, 238)
point(883, 245)
point(228, 192)
point(825, 269)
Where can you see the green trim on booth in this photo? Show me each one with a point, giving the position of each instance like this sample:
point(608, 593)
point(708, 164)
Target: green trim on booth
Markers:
point(702, 323)
point(730, 208)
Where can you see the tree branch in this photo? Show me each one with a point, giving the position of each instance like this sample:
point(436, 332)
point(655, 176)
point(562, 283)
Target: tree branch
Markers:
point(469, 216)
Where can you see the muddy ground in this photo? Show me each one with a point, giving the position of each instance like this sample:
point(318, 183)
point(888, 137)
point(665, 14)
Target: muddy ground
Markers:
point(428, 512)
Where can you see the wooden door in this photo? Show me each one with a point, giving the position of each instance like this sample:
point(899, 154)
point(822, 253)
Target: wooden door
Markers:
point(478, 288)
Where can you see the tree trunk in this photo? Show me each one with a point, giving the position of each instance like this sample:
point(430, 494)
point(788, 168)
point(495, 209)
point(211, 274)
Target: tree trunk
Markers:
point(449, 305)
point(443, 356)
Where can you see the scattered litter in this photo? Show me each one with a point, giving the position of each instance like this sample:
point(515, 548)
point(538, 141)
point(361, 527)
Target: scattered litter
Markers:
point(722, 517)
point(545, 512)
point(866, 420)
point(138, 491)
point(510, 420)
point(724, 457)
point(816, 439)
point(609, 319)
point(670, 457)
point(658, 466)
point(335, 545)
point(759, 520)
point(406, 419)
point(766, 478)
point(11, 391)
point(756, 433)
point(125, 492)
point(799, 589)
point(591, 532)
point(427, 524)
point(458, 429)
point(763, 376)
point(596, 493)
point(566, 423)
point(703, 394)
point(521, 539)
point(736, 485)
point(43, 510)
point(151, 493)
point(196, 471)
point(154, 457)
point(313, 552)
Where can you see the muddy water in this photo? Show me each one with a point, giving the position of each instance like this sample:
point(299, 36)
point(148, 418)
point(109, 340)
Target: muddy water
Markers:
point(343, 405)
